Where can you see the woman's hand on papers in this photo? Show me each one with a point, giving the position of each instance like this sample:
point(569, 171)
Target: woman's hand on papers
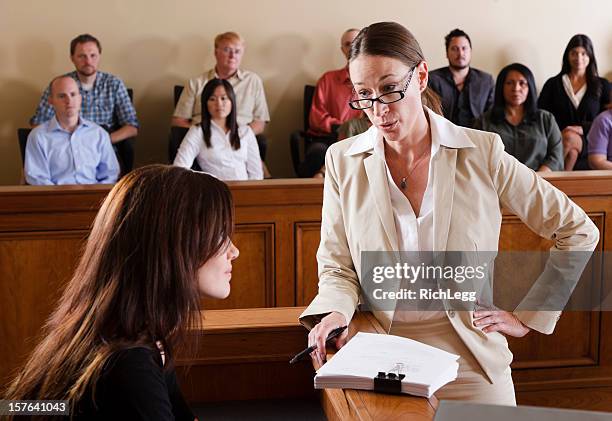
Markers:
point(500, 321)
point(319, 333)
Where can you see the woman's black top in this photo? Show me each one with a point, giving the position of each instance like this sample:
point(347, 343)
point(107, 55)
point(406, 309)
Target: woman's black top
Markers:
point(133, 385)
point(554, 99)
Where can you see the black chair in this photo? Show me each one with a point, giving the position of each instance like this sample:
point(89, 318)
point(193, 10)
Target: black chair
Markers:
point(22, 135)
point(176, 133)
point(124, 149)
point(300, 140)
point(176, 137)
point(178, 90)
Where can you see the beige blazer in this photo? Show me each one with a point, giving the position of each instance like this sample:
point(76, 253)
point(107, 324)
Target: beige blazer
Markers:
point(473, 178)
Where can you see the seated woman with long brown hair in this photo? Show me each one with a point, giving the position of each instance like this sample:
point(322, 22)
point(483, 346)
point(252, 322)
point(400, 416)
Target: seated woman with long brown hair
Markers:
point(575, 97)
point(159, 241)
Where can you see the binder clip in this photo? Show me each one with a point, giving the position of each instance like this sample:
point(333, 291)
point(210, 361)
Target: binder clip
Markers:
point(389, 382)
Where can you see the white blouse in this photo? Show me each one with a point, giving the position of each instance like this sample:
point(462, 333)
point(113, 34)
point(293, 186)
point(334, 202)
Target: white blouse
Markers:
point(221, 160)
point(414, 233)
point(575, 97)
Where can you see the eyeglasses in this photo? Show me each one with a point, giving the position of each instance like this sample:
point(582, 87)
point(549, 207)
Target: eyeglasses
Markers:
point(388, 98)
point(229, 50)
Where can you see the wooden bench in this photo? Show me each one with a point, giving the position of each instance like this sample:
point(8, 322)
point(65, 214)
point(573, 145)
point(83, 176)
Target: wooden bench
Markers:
point(244, 354)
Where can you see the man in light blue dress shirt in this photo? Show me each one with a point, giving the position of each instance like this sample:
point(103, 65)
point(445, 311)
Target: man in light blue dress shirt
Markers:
point(105, 99)
point(69, 149)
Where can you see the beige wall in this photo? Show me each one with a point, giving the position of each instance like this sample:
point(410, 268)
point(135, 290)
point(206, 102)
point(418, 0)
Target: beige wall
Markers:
point(153, 45)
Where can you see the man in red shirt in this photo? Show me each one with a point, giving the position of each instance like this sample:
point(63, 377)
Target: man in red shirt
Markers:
point(334, 90)
point(329, 110)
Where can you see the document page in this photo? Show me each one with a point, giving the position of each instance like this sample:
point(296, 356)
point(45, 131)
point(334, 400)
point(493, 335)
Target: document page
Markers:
point(367, 354)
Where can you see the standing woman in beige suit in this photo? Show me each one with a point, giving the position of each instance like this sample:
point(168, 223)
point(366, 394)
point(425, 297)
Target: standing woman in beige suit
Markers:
point(416, 182)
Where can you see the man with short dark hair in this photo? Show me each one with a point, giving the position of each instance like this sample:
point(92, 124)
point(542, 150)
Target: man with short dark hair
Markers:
point(105, 99)
point(466, 92)
point(68, 149)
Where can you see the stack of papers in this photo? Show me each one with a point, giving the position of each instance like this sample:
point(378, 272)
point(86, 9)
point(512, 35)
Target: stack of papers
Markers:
point(426, 368)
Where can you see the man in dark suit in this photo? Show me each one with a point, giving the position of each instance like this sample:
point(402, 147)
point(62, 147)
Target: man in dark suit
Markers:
point(466, 92)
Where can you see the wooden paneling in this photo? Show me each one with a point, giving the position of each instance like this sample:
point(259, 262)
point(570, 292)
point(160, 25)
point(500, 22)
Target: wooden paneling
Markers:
point(258, 380)
point(253, 272)
point(515, 235)
point(591, 399)
point(564, 348)
point(244, 354)
point(35, 267)
point(307, 237)
point(49, 208)
point(282, 203)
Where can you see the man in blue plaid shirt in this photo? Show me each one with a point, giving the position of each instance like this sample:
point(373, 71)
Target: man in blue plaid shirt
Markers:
point(105, 98)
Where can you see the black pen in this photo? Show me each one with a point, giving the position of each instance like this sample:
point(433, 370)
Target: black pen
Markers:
point(334, 333)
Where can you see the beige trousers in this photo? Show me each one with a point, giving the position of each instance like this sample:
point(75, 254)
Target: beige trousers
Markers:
point(471, 384)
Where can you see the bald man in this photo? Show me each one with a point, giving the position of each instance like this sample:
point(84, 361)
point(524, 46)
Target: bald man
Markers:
point(67, 149)
point(329, 110)
point(334, 89)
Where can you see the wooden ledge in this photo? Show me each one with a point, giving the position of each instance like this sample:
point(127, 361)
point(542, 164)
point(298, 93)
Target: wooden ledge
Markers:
point(278, 192)
point(254, 335)
point(244, 354)
point(249, 319)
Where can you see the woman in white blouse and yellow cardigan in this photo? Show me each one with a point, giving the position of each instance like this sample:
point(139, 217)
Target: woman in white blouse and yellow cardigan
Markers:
point(416, 180)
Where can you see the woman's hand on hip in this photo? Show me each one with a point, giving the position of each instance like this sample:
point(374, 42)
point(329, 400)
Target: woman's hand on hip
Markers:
point(319, 333)
point(500, 321)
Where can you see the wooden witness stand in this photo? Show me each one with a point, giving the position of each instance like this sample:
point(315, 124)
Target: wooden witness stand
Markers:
point(246, 338)
point(350, 404)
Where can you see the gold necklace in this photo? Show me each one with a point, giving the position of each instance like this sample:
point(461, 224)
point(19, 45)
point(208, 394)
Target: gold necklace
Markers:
point(403, 183)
